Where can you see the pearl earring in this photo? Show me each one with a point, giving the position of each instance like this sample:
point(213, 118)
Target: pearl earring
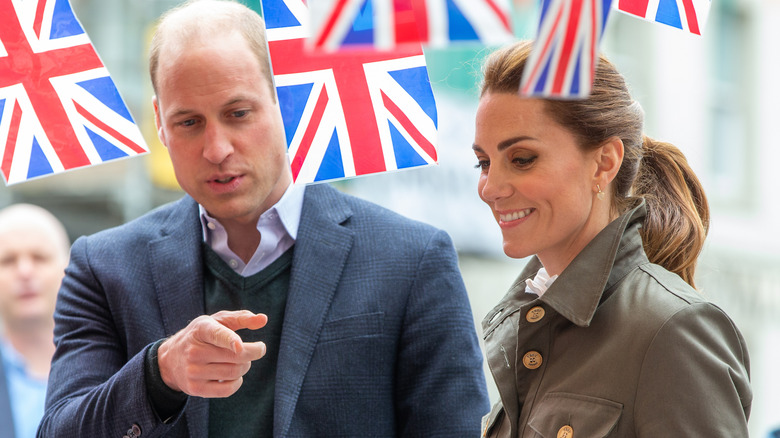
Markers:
point(600, 194)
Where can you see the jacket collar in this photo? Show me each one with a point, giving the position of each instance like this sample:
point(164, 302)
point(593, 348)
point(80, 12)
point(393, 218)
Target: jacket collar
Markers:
point(320, 256)
point(177, 267)
point(177, 270)
point(589, 278)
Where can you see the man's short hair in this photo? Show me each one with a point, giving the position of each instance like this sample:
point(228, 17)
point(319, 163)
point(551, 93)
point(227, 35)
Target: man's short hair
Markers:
point(196, 19)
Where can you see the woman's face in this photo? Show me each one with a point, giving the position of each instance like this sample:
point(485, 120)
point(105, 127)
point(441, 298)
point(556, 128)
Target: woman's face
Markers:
point(538, 182)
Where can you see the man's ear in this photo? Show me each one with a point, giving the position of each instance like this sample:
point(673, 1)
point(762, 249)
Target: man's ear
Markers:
point(157, 121)
point(609, 158)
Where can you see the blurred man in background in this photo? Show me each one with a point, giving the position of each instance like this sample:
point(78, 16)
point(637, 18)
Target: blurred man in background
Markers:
point(33, 255)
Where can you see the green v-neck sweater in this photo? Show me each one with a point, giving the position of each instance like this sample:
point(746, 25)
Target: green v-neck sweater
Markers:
point(250, 411)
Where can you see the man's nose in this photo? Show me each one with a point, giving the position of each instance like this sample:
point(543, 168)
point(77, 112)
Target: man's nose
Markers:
point(217, 145)
point(25, 266)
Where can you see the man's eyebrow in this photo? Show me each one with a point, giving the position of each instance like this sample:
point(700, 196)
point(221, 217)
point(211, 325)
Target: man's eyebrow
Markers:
point(186, 111)
point(239, 99)
point(181, 112)
point(505, 143)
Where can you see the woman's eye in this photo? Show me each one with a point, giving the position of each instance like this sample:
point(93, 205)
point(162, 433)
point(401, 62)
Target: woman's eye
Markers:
point(523, 161)
point(482, 164)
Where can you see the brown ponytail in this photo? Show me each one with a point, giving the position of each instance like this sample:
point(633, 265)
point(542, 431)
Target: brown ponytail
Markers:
point(678, 214)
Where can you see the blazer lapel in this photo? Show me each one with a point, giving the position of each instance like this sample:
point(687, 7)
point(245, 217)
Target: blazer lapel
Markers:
point(321, 251)
point(177, 269)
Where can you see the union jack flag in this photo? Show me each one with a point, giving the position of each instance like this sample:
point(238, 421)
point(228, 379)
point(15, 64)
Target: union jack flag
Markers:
point(348, 113)
point(688, 15)
point(387, 23)
point(565, 51)
point(59, 108)
point(445, 21)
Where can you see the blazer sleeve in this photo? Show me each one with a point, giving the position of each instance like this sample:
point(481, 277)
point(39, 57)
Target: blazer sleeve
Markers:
point(94, 389)
point(695, 379)
point(441, 388)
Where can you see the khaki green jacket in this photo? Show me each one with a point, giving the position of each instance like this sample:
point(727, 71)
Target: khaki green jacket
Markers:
point(616, 347)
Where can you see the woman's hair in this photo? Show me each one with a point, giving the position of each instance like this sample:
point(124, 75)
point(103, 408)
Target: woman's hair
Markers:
point(677, 211)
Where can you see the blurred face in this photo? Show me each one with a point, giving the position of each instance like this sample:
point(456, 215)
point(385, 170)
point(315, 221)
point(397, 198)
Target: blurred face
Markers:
point(31, 269)
point(218, 117)
point(536, 180)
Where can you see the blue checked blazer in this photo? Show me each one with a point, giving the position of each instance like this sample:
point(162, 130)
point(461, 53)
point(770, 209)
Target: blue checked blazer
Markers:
point(378, 338)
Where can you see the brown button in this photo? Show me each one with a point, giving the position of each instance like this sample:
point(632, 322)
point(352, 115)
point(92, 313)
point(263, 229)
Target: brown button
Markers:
point(532, 360)
point(566, 432)
point(535, 314)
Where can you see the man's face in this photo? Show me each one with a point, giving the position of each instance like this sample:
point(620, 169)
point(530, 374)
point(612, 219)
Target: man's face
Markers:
point(218, 117)
point(32, 264)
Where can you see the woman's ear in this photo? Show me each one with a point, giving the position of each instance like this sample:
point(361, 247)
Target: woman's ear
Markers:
point(608, 157)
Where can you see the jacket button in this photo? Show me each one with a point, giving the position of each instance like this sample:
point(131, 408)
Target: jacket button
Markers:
point(133, 432)
point(535, 314)
point(566, 432)
point(532, 360)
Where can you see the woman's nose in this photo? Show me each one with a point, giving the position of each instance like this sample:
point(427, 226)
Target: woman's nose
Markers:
point(493, 185)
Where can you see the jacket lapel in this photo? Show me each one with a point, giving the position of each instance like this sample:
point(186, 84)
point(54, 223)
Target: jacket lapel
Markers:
point(593, 270)
point(321, 251)
point(177, 269)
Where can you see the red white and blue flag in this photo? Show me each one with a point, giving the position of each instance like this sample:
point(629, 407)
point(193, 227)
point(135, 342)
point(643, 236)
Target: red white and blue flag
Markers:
point(381, 24)
point(338, 24)
point(59, 108)
point(348, 113)
point(442, 22)
point(688, 15)
point(566, 49)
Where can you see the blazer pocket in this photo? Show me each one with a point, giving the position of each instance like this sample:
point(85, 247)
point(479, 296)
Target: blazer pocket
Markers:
point(356, 326)
point(567, 415)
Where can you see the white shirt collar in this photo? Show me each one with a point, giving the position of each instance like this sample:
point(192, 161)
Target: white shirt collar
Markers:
point(278, 227)
point(540, 283)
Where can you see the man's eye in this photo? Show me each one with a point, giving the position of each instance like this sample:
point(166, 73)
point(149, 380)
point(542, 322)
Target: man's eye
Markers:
point(240, 113)
point(188, 122)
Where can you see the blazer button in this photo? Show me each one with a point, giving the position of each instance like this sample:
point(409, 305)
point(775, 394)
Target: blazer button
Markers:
point(535, 314)
point(566, 432)
point(532, 360)
point(133, 432)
